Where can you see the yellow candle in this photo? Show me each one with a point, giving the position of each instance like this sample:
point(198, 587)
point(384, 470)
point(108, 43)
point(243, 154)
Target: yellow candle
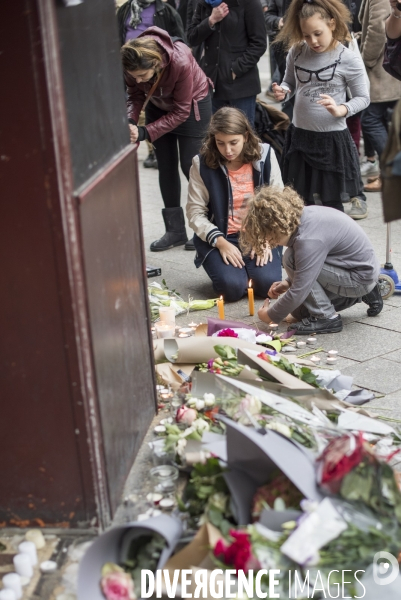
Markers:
point(251, 300)
point(220, 306)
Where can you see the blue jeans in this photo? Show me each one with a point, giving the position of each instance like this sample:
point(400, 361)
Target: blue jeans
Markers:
point(232, 282)
point(374, 121)
point(247, 105)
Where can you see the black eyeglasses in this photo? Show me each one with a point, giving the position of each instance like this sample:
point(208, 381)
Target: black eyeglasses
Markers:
point(324, 74)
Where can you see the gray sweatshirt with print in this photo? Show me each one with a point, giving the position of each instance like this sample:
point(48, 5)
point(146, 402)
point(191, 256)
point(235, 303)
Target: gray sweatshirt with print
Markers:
point(325, 235)
point(310, 74)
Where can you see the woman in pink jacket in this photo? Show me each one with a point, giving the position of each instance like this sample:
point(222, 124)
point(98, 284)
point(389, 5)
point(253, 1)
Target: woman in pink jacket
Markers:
point(163, 75)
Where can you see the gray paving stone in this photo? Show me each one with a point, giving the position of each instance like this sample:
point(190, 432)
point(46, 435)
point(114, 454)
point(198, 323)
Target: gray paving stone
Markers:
point(377, 375)
point(362, 342)
point(389, 318)
point(394, 356)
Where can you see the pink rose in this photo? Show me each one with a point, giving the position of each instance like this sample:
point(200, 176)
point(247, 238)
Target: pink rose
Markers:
point(186, 415)
point(118, 586)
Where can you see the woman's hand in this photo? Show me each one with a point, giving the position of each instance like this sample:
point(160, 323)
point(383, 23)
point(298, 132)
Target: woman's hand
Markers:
point(218, 14)
point(330, 105)
point(266, 257)
point(133, 133)
point(279, 92)
point(262, 312)
point(277, 288)
point(229, 253)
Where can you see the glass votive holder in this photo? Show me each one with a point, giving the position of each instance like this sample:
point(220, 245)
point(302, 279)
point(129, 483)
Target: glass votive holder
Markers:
point(311, 341)
point(167, 315)
point(164, 479)
point(165, 330)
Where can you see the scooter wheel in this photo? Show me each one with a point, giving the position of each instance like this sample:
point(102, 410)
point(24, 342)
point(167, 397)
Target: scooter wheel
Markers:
point(386, 286)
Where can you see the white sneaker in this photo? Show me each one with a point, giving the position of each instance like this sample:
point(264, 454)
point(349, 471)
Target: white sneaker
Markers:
point(369, 167)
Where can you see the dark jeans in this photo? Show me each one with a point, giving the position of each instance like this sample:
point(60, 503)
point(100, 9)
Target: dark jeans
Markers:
point(374, 122)
point(247, 105)
point(232, 282)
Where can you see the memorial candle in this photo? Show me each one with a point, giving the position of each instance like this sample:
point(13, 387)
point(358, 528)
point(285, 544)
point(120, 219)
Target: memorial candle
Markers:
point(251, 300)
point(220, 306)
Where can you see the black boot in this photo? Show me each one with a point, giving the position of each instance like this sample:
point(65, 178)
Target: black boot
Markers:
point(151, 161)
point(190, 244)
point(176, 234)
point(374, 300)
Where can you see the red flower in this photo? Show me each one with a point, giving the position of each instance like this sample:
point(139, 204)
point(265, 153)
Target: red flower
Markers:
point(227, 333)
point(238, 554)
point(340, 457)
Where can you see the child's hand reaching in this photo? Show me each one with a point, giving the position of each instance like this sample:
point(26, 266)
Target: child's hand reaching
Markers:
point(229, 253)
point(279, 92)
point(330, 105)
point(263, 259)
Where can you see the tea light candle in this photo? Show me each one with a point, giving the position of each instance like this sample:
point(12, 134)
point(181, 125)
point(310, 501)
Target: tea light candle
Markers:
point(166, 504)
point(331, 360)
point(288, 348)
point(220, 306)
point(154, 498)
point(315, 359)
point(301, 344)
point(187, 330)
point(273, 326)
point(159, 429)
point(48, 566)
point(7, 594)
point(36, 536)
point(167, 315)
point(23, 565)
point(193, 325)
point(12, 581)
point(184, 335)
point(30, 549)
point(251, 299)
point(311, 341)
point(333, 353)
point(165, 330)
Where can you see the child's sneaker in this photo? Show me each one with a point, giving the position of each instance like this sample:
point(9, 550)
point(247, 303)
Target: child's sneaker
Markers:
point(369, 167)
point(356, 208)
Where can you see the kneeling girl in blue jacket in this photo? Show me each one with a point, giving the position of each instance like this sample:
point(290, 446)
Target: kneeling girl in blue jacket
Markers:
point(232, 163)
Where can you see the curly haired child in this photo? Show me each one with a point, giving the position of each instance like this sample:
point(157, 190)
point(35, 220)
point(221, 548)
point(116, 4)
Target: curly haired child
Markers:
point(330, 262)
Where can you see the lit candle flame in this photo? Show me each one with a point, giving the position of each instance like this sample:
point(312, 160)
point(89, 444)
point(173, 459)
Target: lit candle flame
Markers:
point(250, 283)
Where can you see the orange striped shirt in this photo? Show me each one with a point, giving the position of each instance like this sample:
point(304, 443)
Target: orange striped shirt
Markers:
point(242, 189)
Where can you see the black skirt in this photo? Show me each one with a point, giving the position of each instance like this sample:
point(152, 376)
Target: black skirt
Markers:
point(323, 167)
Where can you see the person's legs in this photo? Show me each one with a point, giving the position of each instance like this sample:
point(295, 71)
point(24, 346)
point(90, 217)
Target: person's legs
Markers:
point(218, 103)
point(333, 290)
point(374, 125)
point(247, 105)
point(263, 277)
point(166, 148)
point(189, 147)
point(228, 281)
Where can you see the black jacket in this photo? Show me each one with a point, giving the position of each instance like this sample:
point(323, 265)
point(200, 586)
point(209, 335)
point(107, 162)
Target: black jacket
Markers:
point(166, 17)
point(235, 44)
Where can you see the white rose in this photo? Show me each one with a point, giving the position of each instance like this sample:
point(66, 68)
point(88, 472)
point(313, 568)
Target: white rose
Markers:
point(180, 447)
point(200, 425)
point(219, 501)
point(280, 428)
point(209, 399)
point(200, 404)
point(192, 402)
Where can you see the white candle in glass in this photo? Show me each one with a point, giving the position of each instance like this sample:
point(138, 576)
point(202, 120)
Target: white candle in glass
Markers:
point(12, 581)
point(333, 353)
point(167, 314)
point(165, 330)
point(30, 549)
point(301, 344)
point(331, 360)
point(23, 565)
point(315, 359)
point(311, 341)
point(7, 594)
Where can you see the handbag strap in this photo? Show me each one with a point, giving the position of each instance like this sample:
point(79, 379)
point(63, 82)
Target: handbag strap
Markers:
point(152, 89)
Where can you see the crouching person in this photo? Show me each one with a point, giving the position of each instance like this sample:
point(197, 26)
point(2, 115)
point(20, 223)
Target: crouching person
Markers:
point(330, 262)
point(223, 177)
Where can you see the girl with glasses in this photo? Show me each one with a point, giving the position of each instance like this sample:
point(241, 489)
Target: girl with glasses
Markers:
point(320, 159)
